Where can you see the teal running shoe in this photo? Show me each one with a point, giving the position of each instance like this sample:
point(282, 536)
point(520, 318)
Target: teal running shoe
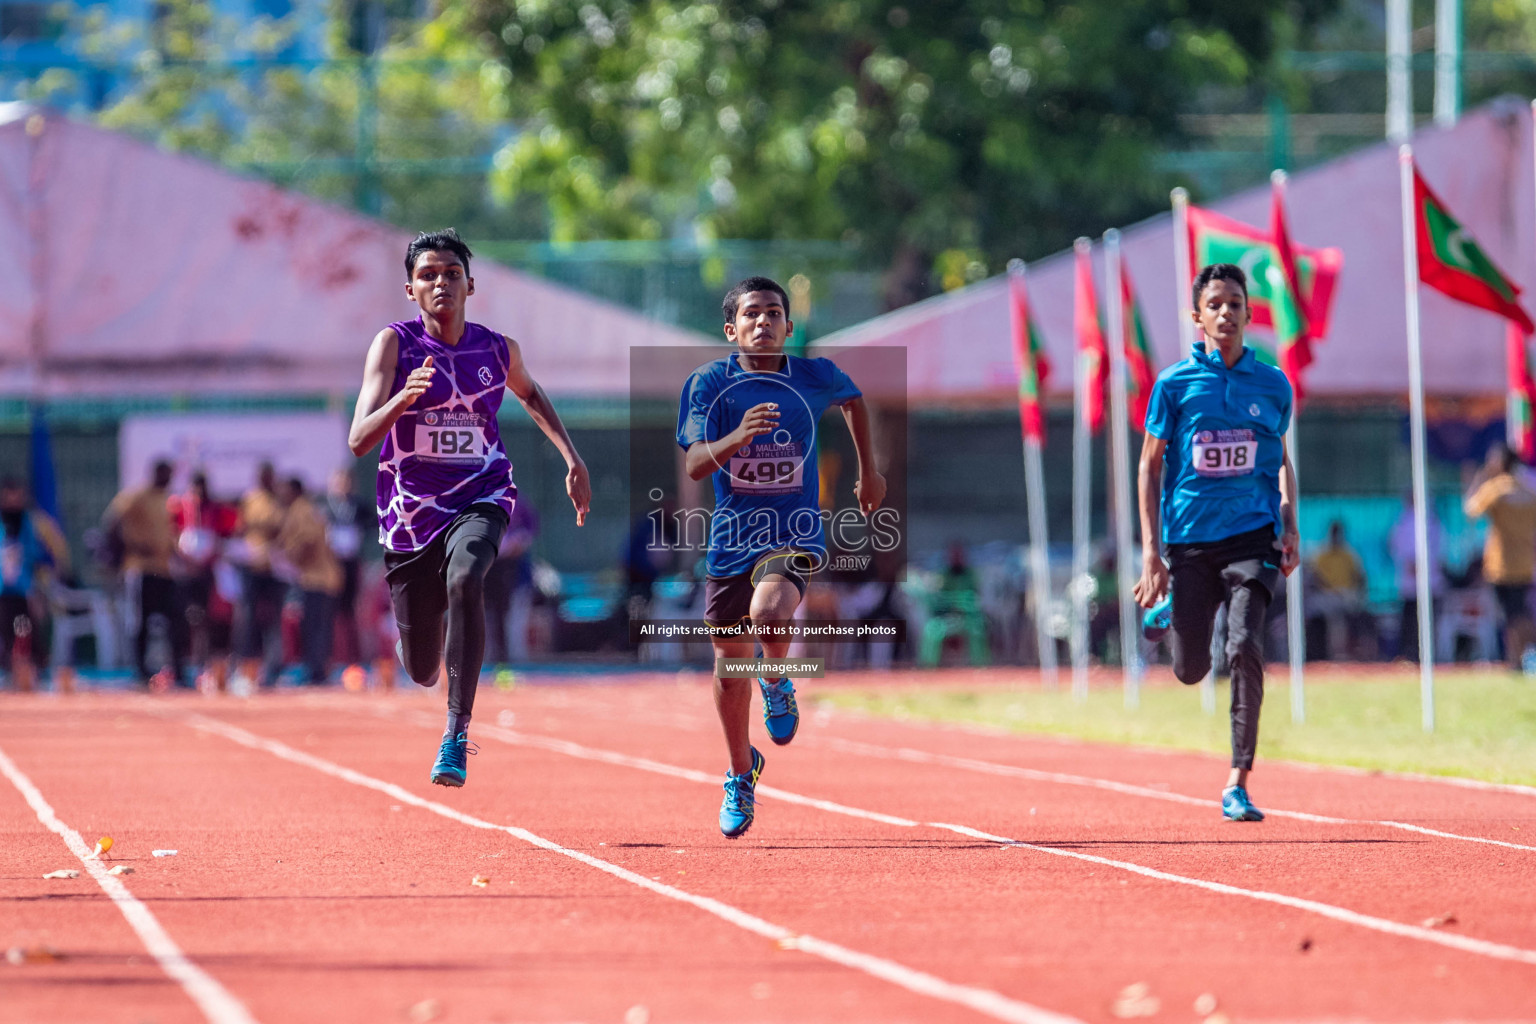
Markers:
point(1157, 620)
point(450, 768)
point(781, 715)
point(1235, 805)
point(736, 812)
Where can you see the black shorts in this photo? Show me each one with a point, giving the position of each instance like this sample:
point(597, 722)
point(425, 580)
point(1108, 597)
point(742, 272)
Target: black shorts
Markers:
point(1249, 557)
point(424, 571)
point(728, 599)
point(1512, 600)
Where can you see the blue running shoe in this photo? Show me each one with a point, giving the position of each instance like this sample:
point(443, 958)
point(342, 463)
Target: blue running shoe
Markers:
point(450, 768)
point(1235, 805)
point(736, 811)
point(780, 713)
point(1155, 623)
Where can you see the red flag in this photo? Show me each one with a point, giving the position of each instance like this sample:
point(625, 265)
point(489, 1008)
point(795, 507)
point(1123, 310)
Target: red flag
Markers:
point(1451, 261)
point(1522, 394)
point(1293, 328)
point(1214, 238)
point(1090, 340)
point(1141, 372)
point(1030, 359)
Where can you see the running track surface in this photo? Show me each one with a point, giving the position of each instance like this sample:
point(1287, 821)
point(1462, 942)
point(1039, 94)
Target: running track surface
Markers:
point(896, 872)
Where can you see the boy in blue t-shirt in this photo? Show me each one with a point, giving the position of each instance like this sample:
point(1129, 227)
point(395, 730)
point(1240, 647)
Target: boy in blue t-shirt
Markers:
point(749, 421)
point(1217, 488)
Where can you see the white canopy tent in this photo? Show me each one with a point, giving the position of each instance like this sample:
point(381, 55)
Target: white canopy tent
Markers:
point(136, 271)
point(959, 346)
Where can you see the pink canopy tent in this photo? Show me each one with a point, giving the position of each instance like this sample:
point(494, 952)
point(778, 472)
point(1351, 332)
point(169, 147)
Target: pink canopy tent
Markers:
point(959, 346)
point(139, 271)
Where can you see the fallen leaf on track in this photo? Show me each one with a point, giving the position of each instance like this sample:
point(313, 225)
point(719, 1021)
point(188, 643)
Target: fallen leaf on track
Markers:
point(63, 873)
point(1305, 945)
point(426, 1010)
point(17, 955)
point(1440, 921)
point(121, 869)
point(1205, 1005)
point(480, 880)
point(1136, 1001)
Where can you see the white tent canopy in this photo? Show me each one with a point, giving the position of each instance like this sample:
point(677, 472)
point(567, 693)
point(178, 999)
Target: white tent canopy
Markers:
point(140, 271)
point(959, 347)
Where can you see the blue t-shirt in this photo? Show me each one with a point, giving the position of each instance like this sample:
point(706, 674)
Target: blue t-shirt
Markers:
point(1225, 430)
point(767, 493)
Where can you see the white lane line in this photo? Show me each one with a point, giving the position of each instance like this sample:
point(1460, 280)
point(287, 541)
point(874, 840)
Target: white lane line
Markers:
point(1480, 947)
point(213, 999)
point(984, 1001)
point(1063, 778)
point(1002, 732)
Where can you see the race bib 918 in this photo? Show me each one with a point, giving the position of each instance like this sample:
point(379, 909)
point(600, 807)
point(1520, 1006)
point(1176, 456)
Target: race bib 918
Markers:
point(1224, 452)
point(450, 436)
point(767, 468)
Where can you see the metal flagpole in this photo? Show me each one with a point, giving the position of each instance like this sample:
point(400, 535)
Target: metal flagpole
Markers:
point(1399, 70)
point(1119, 441)
point(1182, 280)
point(1447, 62)
point(1039, 555)
point(1082, 492)
point(1295, 613)
point(1421, 510)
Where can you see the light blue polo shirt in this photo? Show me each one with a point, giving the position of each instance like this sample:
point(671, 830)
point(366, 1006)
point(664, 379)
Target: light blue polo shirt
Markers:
point(767, 493)
point(1224, 428)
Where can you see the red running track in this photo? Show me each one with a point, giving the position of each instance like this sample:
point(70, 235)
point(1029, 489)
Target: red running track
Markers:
point(896, 872)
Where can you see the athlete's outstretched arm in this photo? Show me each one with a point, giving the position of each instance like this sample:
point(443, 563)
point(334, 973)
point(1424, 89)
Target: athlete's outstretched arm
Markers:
point(578, 485)
point(376, 411)
point(1149, 492)
point(869, 488)
point(1290, 536)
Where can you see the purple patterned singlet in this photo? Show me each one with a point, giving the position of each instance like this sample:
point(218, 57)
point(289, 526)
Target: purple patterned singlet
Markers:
point(445, 453)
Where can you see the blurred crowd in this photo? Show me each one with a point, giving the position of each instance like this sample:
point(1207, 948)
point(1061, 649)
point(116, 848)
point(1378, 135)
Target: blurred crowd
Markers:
point(222, 593)
point(281, 583)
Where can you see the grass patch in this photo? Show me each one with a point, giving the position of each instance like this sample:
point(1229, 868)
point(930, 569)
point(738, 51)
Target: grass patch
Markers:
point(1485, 722)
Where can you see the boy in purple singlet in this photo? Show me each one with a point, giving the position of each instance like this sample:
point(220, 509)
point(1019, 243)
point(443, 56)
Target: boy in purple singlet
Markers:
point(431, 390)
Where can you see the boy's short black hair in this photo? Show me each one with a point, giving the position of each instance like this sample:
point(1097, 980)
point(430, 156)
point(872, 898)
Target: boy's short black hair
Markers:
point(1218, 272)
point(751, 284)
point(446, 240)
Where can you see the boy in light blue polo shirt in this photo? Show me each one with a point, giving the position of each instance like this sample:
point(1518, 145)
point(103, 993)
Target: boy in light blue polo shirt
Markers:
point(1216, 486)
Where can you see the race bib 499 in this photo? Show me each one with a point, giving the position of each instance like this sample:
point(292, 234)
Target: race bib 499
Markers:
point(767, 468)
point(1224, 452)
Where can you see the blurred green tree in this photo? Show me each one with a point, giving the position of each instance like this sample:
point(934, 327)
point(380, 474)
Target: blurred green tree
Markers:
point(941, 136)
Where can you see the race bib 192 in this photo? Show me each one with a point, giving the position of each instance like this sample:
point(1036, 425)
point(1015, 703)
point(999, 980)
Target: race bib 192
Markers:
point(450, 436)
point(768, 468)
point(1224, 452)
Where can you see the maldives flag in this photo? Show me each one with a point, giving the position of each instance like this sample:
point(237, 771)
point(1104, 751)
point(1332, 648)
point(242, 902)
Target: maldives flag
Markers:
point(1090, 340)
point(1292, 328)
point(1217, 239)
point(1141, 373)
point(1450, 261)
point(1029, 356)
point(1521, 429)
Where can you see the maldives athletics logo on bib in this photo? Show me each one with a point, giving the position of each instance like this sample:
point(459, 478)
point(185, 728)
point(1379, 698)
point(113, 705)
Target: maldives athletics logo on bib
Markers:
point(430, 419)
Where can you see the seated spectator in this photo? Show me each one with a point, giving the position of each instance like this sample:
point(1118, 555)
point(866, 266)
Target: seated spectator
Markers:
point(1401, 546)
point(1338, 597)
